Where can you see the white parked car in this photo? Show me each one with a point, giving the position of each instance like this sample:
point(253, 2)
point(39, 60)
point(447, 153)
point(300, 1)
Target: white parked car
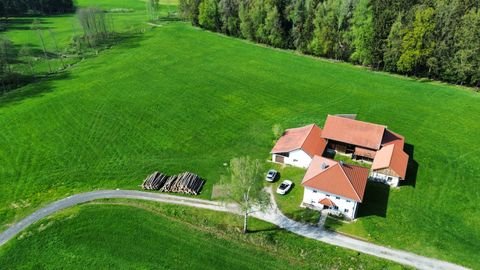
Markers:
point(271, 175)
point(284, 187)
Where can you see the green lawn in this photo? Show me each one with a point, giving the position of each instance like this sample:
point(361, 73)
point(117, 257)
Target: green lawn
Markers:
point(157, 236)
point(179, 98)
point(289, 203)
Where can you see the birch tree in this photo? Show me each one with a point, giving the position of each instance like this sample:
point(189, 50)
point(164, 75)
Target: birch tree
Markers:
point(244, 186)
point(36, 26)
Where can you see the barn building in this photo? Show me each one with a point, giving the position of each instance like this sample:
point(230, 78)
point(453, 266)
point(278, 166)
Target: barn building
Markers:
point(298, 146)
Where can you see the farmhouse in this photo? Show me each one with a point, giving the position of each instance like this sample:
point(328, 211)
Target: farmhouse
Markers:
point(343, 135)
point(298, 146)
point(335, 186)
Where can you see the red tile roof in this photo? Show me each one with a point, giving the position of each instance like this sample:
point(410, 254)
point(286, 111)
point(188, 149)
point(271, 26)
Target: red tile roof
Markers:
point(354, 132)
point(330, 176)
point(391, 157)
point(307, 138)
point(390, 137)
point(327, 202)
point(364, 152)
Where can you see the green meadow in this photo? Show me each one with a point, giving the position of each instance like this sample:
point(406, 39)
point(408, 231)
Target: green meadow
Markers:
point(176, 98)
point(137, 235)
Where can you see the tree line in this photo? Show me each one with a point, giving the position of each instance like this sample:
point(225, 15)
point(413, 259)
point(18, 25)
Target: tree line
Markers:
point(10, 8)
point(439, 39)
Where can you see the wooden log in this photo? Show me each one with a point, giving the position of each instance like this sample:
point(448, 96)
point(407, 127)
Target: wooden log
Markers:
point(147, 182)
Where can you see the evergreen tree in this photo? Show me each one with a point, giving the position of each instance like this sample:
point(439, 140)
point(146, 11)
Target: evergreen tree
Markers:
point(448, 16)
point(258, 16)
point(246, 22)
point(310, 24)
point(229, 17)
point(299, 31)
point(467, 56)
point(188, 9)
point(273, 26)
point(325, 35)
point(393, 49)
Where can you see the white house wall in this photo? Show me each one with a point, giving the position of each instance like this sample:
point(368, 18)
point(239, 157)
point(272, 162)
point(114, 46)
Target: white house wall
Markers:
point(313, 196)
point(297, 158)
point(383, 178)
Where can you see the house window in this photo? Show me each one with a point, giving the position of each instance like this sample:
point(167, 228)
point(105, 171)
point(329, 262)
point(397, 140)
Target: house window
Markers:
point(335, 207)
point(328, 195)
point(389, 179)
point(348, 200)
point(295, 160)
point(314, 191)
point(346, 210)
point(338, 198)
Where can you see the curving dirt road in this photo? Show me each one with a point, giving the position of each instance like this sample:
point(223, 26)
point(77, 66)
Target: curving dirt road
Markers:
point(272, 215)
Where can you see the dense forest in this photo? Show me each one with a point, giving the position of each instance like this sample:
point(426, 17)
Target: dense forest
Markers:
point(10, 8)
point(439, 39)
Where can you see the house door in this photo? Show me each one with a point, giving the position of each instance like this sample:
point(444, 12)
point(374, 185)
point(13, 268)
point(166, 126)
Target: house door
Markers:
point(279, 159)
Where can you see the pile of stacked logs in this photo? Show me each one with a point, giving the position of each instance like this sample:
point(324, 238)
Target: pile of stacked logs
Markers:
point(186, 182)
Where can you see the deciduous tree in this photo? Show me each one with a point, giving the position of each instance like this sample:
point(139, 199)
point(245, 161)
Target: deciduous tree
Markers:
point(244, 186)
point(153, 9)
point(208, 15)
point(417, 44)
point(362, 33)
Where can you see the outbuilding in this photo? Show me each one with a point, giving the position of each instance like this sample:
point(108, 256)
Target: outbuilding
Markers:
point(390, 165)
point(298, 146)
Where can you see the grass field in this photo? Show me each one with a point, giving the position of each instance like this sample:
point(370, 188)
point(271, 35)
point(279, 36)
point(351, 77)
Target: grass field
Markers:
point(178, 98)
point(63, 28)
point(146, 236)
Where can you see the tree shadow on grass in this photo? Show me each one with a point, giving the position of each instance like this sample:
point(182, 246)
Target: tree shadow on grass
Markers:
point(23, 23)
point(304, 215)
point(375, 201)
point(37, 89)
point(128, 40)
point(268, 229)
point(412, 168)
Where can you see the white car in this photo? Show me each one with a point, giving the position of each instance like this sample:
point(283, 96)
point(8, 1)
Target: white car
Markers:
point(271, 175)
point(284, 187)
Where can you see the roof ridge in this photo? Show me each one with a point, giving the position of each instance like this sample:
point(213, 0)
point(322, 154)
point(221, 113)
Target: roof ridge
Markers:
point(308, 134)
point(391, 156)
point(326, 169)
point(349, 181)
point(370, 123)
